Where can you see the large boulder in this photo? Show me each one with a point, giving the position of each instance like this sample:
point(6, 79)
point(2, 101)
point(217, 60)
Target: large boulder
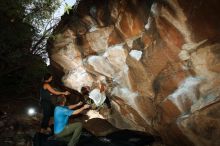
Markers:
point(159, 59)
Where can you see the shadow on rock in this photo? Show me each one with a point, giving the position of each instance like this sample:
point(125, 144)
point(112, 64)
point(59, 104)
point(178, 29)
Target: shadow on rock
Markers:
point(119, 138)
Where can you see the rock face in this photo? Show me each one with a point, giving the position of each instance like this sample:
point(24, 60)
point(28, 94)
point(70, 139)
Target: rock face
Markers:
point(159, 59)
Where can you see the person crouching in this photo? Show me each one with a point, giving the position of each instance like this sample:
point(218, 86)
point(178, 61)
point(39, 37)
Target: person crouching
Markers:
point(62, 130)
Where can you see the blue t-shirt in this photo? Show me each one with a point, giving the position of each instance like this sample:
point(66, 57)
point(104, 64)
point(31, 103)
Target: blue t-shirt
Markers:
point(61, 116)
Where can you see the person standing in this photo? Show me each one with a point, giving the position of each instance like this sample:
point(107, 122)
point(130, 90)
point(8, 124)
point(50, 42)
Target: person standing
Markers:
point(62, 130)
point(47, 106)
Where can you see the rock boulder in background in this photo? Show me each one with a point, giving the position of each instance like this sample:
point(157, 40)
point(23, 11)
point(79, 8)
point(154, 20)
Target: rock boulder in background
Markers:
point(159, 59)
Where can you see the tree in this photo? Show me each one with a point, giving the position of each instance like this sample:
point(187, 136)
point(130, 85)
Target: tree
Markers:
point(21, 35)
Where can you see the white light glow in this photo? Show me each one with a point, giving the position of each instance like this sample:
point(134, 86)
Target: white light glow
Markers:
point(31, 111)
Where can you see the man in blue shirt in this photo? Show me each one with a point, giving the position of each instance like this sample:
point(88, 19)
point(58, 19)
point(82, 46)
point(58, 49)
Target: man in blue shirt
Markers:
point(64, 131)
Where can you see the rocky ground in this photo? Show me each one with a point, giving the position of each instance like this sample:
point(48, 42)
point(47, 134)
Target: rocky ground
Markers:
point(17, 128)
point(17, 131)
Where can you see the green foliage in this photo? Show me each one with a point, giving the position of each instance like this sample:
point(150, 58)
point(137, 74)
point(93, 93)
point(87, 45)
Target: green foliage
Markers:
point(21, 22)
point(67, 8)
point(39, 11)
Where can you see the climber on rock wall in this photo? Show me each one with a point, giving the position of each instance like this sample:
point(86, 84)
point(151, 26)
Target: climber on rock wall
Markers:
point(85, 93)
point(98, 95)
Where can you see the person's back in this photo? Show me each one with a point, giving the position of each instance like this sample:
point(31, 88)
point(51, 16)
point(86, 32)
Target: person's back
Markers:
point(48, 109)
point(45, 95)
point(61, 117)
point(64, 131)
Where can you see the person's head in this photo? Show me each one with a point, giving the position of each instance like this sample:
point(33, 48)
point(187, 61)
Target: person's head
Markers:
point(61, 100)
point(102, 87)
point(47, 78)
point(85, 90)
